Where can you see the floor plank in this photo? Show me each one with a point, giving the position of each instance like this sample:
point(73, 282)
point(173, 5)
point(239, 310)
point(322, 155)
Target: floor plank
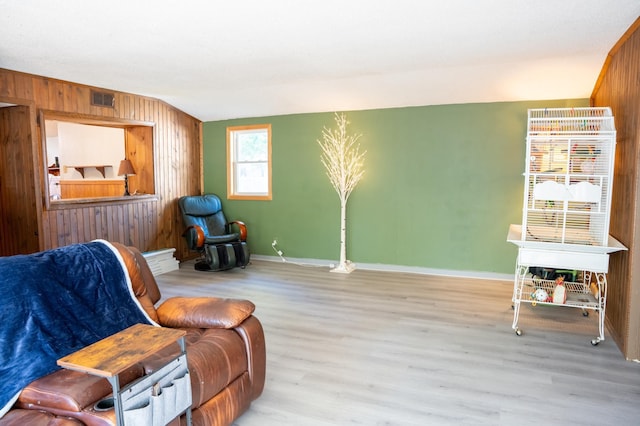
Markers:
point(389, 348)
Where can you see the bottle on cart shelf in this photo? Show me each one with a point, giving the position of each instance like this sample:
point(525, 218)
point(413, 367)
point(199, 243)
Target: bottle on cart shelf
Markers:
point(560, 292)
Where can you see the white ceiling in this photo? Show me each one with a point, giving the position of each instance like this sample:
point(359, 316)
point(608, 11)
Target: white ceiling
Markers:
point(248, 58)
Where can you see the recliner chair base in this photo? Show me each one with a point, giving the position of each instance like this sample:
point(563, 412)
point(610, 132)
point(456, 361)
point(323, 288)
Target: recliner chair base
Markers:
point(220, 257)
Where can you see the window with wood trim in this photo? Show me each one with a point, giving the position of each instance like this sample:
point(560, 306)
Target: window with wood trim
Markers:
point(249, 162)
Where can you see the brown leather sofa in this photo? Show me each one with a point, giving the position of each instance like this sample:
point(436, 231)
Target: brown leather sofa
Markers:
point(225, 352)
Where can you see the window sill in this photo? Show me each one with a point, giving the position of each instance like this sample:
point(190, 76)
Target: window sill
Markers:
point(100, 201)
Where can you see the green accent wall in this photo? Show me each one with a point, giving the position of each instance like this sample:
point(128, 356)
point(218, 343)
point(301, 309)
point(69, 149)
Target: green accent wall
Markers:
point(441, 186)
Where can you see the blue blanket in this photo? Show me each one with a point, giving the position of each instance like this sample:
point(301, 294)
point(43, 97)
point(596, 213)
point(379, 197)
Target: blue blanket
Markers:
point(55, 302)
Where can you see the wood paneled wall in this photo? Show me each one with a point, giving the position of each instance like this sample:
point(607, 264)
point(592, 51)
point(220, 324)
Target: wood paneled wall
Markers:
point(619, 87)
point(147, 222)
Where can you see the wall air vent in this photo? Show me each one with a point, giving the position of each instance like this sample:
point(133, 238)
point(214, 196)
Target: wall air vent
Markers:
point(102, 99)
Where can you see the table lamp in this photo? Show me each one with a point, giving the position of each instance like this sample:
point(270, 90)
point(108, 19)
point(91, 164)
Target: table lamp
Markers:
point(126, 169)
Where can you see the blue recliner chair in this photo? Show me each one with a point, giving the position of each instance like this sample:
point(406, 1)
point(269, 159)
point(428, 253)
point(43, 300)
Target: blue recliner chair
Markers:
point(209, 233)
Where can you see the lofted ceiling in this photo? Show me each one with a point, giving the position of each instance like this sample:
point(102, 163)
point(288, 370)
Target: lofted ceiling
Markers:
point(248, 58)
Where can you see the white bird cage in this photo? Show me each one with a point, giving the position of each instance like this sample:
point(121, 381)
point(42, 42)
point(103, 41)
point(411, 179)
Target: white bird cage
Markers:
point(568, 175)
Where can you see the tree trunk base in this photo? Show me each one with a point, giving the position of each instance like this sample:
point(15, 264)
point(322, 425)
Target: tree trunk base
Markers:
point(344, 268)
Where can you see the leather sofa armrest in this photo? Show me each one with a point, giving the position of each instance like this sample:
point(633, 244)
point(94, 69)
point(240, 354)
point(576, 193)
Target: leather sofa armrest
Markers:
point(70, 391)
point(22, 417)
point(203, 312)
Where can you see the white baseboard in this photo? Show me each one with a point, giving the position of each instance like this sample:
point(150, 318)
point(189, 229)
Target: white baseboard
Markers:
point(391, 268)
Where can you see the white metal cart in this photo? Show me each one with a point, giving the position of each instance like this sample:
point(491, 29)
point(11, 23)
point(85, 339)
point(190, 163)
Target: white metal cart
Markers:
point(566, 211)
point(588, 291)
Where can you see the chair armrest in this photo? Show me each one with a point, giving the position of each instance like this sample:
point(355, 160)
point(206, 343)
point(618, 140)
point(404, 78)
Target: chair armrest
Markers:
point(68, 391)
point(203, 312)
point(195, 237)
point(242, 229)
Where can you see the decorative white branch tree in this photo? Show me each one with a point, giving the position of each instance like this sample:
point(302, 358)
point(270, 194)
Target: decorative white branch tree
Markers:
point(344, 162)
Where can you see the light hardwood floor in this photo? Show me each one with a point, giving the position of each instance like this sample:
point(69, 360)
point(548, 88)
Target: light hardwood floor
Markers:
point(388, 348)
